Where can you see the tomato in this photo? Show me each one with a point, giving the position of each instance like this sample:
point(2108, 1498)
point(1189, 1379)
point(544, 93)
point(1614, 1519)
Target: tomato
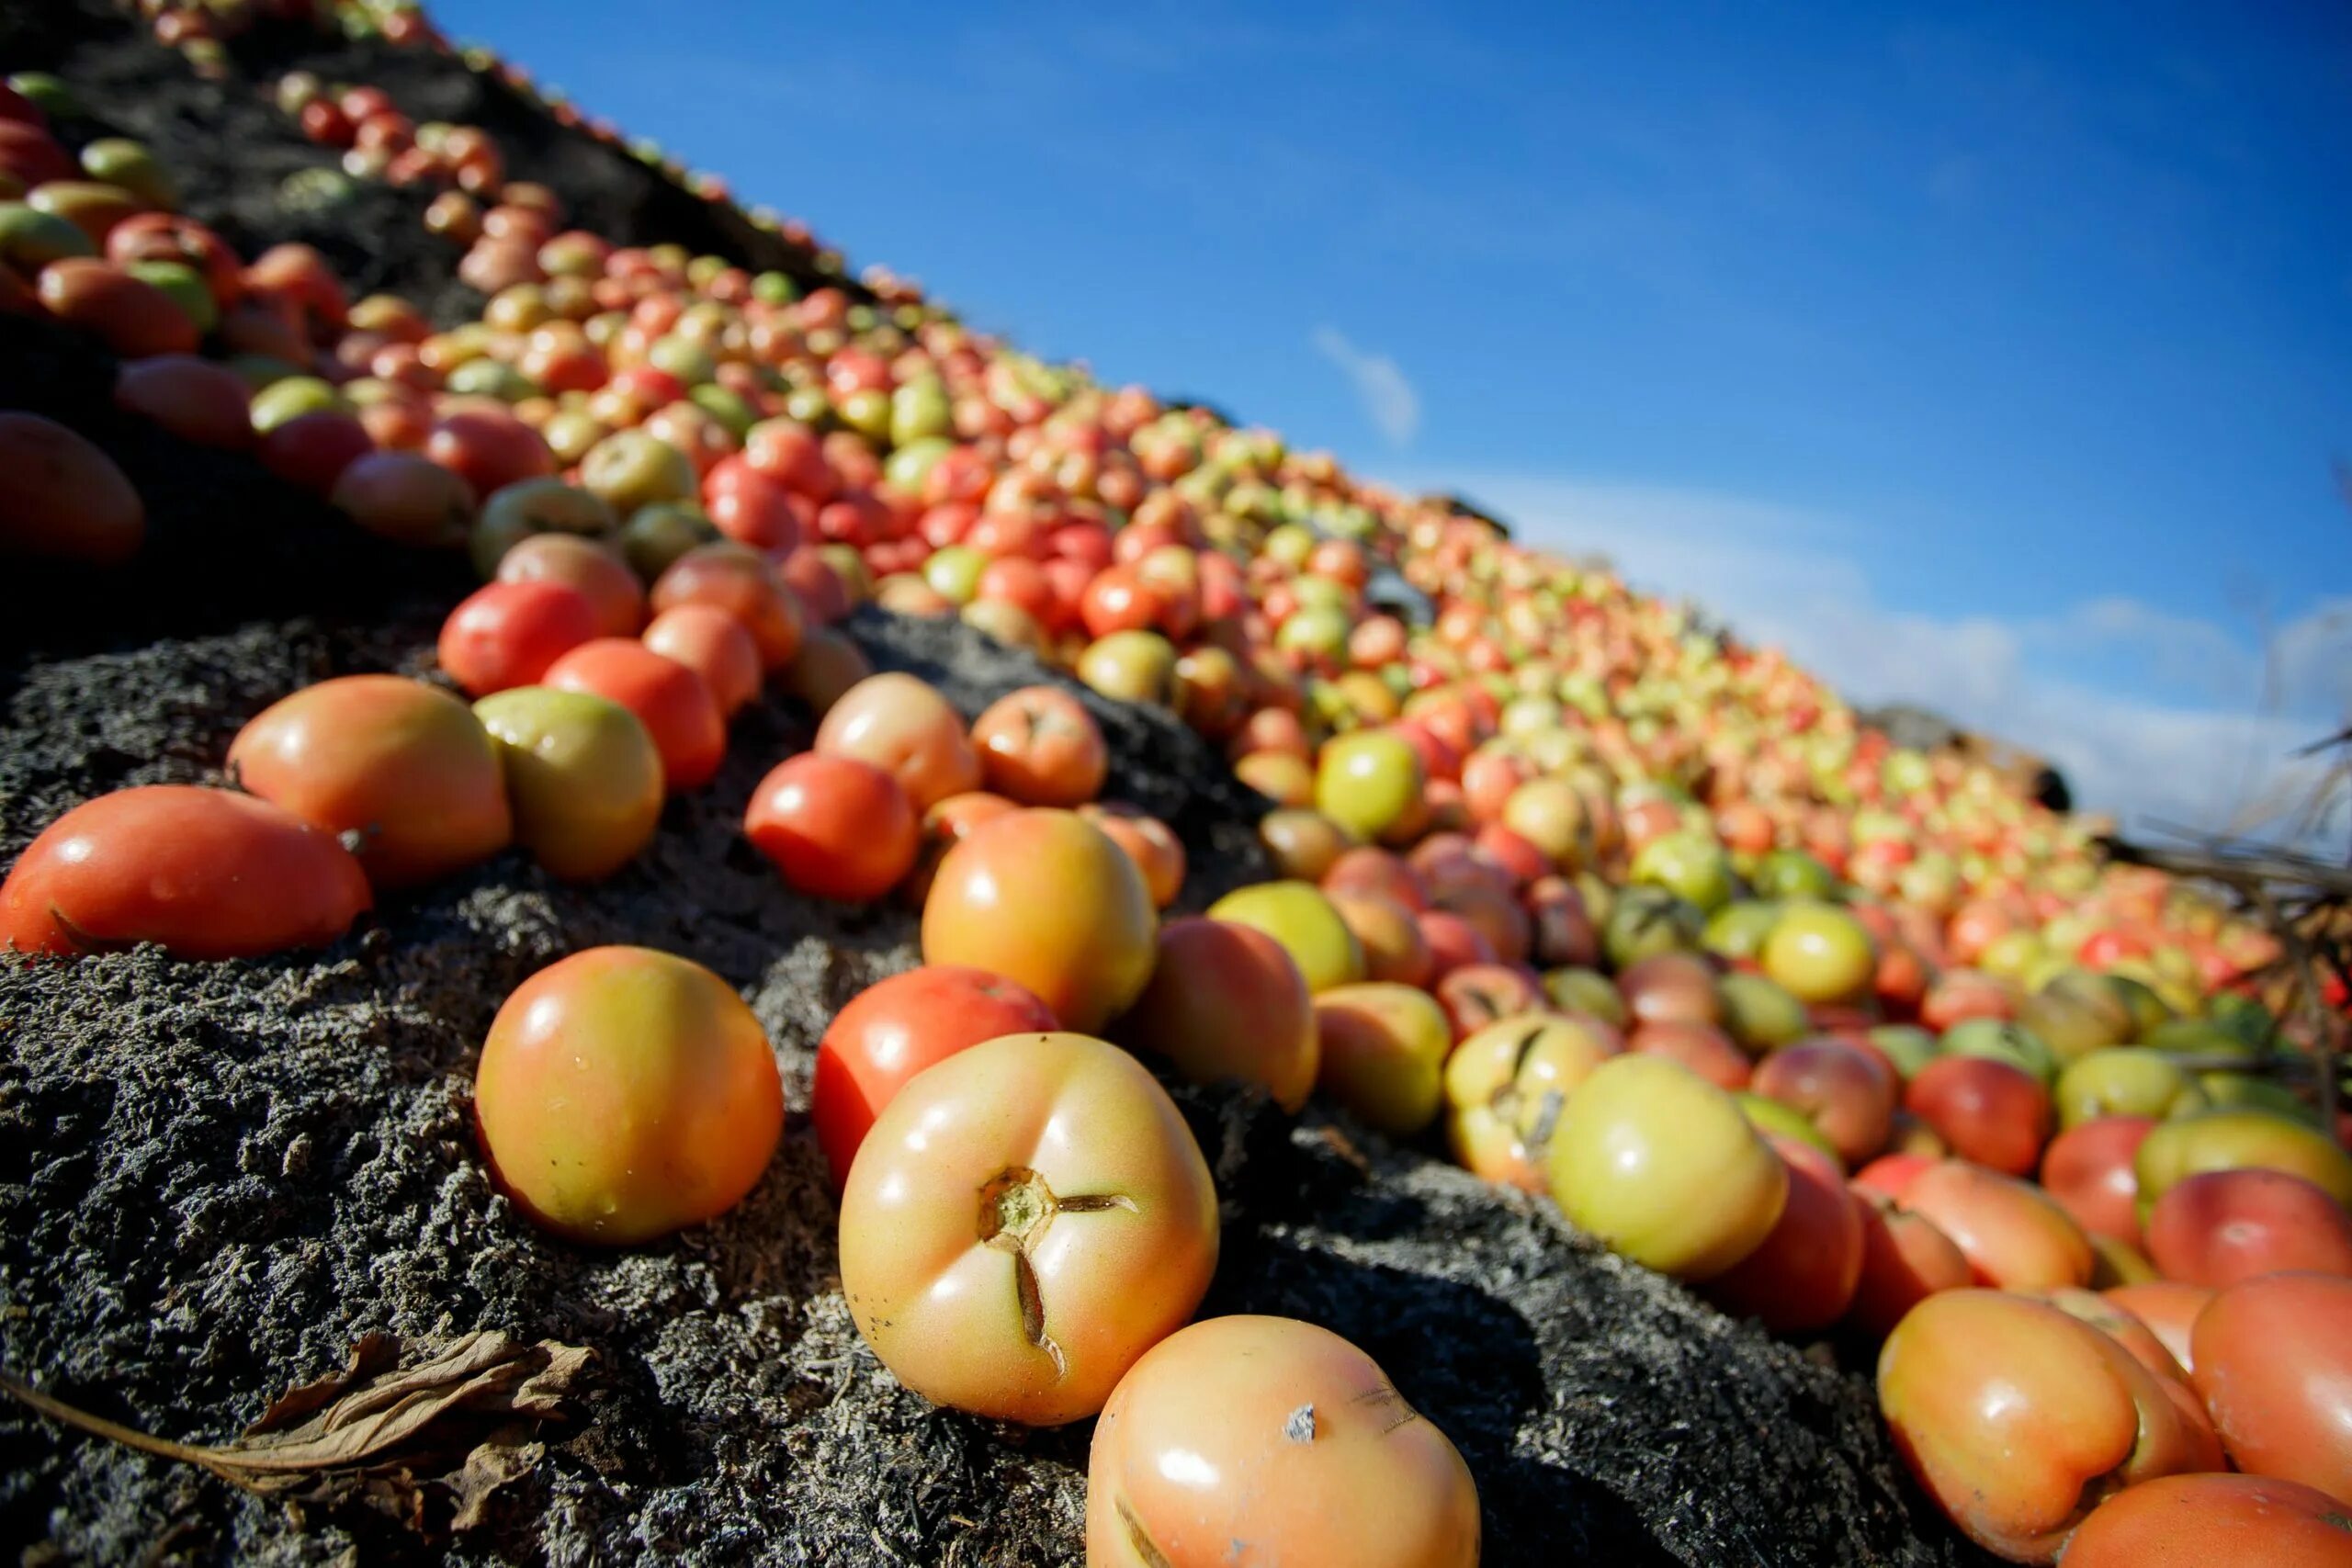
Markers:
point(740, 581)
point(207, 872)
point(1095, 1236)
point(1158, 852)
point(582, 775)
point(624, 1093)
point(506, 634)
point(2272, 1358)
point(592, 568)
point(313, 451)
point(1041, 897)
point(488, 448)
point(402, 497)
point(1226, 1001)
point(131, 316)
point(896, 1028)
point(2214, 1521)
point(61, 496)
point(2016, 1418)
point(1039, 746)
point(711, 643)
point(835, 827)
point(194, 398)
point(1905, 1259)
point(1504, 1088)
point(1989, 1111)
point(673, 701)
point(2222, 1226)
point(1661, 1165)
point(898, 722)
point(404, 766)
point(1279, 1434)
point(2169, 1310)
point(1803, 1275)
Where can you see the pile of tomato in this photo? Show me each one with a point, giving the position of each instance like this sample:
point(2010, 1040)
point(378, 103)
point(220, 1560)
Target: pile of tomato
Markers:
point(1853, 1039)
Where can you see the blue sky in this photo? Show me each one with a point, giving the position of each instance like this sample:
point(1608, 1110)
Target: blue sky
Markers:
point(1994, 356)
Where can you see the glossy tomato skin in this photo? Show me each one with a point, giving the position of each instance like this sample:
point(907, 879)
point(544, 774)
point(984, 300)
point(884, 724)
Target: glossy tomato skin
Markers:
point(1093, 1238)
point(1042, 896)
point(505, 635)
point(896, 1028)
point(623, 1093)
point(2272, 1358)
point(2214, 1521)
point(1039, 746)
point(2016, 1418)
point(835, 827)
point(1803, 1276)
point(1226, 1001)
point(404, 765)
point(208, 874)
point(2220, 1226)
point(897, 722)
point(2012, 1233)
point(1281, 1433)
point(674, 702)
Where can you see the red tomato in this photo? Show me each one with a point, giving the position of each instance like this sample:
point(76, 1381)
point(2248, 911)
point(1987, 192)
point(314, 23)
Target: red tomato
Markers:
point(311, 451)
point(895, 1028)
point(488, 448)
point(674, 702)
point(710, 642)
point(207, 872)
point(835, 827)
point(194, 398)
point(2214, 1521)
point(2273, 1361)
point(506, 634)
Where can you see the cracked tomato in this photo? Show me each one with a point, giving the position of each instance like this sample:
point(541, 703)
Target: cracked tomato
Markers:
point(1023, 1221)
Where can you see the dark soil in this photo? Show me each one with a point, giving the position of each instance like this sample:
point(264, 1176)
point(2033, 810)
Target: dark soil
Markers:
point(214, 1177)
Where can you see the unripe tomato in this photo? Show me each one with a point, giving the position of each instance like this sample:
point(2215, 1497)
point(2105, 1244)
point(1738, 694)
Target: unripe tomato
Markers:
point(2017, 1418)
point(1093, 1237)
point(1042, 897)
point(582, 775)
point(1661, 1165)
point(896, 1028)
point(835, 827)
point(1506, 1085)
point(206, 872)
point(624, 1093)
point(405, 766)
point(1280, 1433)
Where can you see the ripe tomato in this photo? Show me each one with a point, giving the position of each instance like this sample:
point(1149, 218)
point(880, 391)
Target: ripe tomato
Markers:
point(61, 496)
point(1094, 1236)
point(673, 701)
point(2016, 1418)
point(2214, 1521)
point(898, 722)
point(1280, 1433)
point(207, 872)
point(2272, 1358)
point(1803, 1276)
point(624, 1092)
point(740, 581)
point(406, 766)
point(1039, 746)
point(895, 1028)
point(1226, 1001)
point(1041, 897)
point(506, 634)
point(711, 643)
point(835, 827)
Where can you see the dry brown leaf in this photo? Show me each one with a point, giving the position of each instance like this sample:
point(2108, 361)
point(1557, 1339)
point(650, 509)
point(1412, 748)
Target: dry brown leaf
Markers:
point(440, 1436)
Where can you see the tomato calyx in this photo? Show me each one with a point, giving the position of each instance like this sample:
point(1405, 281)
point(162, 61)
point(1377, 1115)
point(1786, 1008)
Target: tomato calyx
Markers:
point(1016, 1208)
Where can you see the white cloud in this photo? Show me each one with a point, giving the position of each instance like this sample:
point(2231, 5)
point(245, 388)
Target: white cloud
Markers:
point(1388, 398)
point(2208, 751)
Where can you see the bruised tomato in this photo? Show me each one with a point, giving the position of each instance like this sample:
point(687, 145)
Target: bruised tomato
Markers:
point(1093, 1237)
point(896, 1028)
point(1280, 1433)
point(207, 872)
point(405, 766)
point(835, 827)
point(624, 1093)
point(673, 701)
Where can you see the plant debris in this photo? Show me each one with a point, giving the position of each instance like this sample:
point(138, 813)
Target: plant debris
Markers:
point(427, 1444)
